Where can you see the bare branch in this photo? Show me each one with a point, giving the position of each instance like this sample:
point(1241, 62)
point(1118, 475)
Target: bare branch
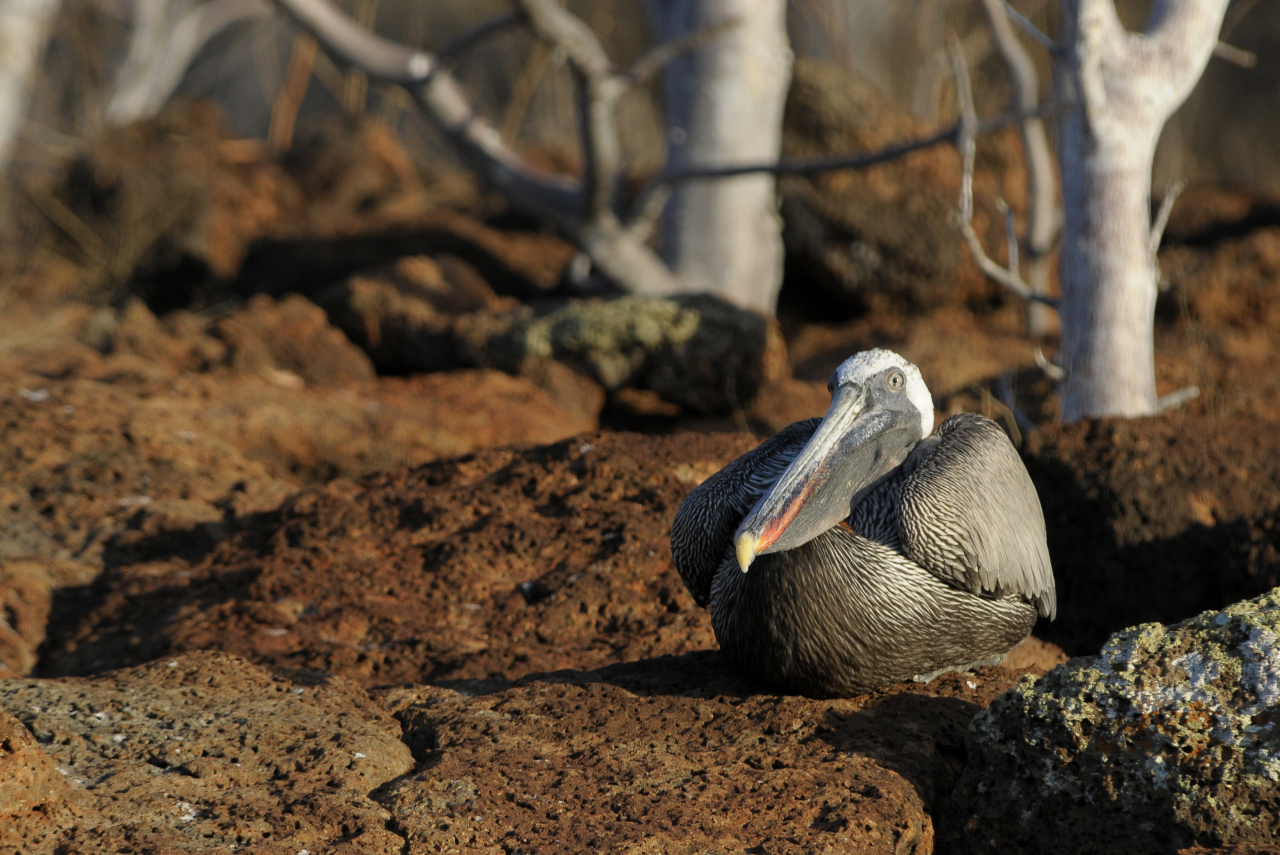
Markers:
point(1008, 277)
point(660, 55)
point(379, 57)
point(835, 163)
point(598, 92)
point(161, 50)
point(1176, 399)
point(648, 211)
point(553, 23)
point(1162, 216)
point(1234, 55)
point(1025, 24)
point(473, 37)
point(1050, 369)
point(1043, 216)
point(558, 200)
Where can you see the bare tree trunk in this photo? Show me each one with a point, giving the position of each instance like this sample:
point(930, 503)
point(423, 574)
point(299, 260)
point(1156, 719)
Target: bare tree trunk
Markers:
point(24, 26)
point(167, 36)
point(724, 106)
point(1120, 88)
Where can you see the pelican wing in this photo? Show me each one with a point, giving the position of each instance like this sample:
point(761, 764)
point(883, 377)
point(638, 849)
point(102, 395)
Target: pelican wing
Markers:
point(968, 513)
point(703, 528)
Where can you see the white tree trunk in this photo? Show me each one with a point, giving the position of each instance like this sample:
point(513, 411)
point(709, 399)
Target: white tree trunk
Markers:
point(724, 106)
point(1121, 87)
point(24, 26)
point(167, 36)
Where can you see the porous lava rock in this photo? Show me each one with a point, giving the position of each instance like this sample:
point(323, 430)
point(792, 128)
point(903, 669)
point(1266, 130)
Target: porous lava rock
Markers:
point(35, 798)
point(677, 754)
point(1136, 510)
point(203, 752)
point(504, 562)
point(1169, 738)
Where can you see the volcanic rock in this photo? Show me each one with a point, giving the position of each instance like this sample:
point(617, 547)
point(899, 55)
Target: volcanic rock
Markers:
point(677, 754)
point(1169, 738)
point(695, 351)
point(200, 753)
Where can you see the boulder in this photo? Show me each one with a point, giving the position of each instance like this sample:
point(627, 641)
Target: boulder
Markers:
point(1169, 738)
point(861, 237)
point(403, 314)
point(291, 343)
point(27, 587)
point(695, 351)
point(1137, 509)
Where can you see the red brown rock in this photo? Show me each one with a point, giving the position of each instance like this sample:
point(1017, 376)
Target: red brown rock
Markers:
point(197, 753)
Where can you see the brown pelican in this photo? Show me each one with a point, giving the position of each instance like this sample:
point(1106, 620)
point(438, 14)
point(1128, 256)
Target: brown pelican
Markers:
point(850, 552)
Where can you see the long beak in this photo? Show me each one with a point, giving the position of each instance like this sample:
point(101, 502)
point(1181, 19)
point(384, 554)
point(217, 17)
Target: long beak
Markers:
point(853, 448)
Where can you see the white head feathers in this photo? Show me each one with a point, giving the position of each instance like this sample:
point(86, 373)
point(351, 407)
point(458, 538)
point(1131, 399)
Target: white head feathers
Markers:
point(861, 367)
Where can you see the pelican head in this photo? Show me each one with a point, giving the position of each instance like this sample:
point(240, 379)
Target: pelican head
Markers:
point(880, 408)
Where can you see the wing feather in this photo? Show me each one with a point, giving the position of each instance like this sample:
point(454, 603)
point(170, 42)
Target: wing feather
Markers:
point(968, 513)
point(703, 528)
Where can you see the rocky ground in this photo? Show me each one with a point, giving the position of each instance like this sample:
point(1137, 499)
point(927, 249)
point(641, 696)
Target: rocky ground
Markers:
point(270, 585)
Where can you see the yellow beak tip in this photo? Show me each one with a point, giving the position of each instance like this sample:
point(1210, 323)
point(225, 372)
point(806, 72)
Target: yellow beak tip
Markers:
point(746, 550)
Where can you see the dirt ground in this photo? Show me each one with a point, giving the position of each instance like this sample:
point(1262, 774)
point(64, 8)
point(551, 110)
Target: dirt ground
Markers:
point(196, 459)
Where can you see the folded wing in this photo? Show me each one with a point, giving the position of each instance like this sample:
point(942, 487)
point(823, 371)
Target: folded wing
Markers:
point(968, 513)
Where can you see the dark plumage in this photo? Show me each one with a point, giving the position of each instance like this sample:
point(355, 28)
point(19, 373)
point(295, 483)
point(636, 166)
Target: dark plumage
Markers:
point(940, 565)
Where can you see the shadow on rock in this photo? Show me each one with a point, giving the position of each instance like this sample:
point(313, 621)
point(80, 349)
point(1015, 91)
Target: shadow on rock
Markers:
point(919, 736)
point(682, 753)
point(1154, 520)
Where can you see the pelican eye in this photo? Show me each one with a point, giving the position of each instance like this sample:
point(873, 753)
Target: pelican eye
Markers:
point(895, 381)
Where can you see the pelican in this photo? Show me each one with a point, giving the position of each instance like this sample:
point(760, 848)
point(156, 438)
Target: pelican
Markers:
point(864, 548)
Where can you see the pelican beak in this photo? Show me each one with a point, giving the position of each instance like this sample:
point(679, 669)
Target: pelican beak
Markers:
point(857, 444)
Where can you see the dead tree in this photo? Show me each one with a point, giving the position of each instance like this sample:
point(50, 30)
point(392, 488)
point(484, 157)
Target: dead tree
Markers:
point(24, 27)
point(1119, 88)
point(723, 105)
point(582, 209)
point(1114, 92)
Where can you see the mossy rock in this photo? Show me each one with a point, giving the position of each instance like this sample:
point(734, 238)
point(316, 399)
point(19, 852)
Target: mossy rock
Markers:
point(1169, 738)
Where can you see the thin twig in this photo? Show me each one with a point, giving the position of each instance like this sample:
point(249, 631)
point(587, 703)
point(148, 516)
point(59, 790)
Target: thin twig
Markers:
point(1162, 216)
point(833, 163)
point(523, 89)
point(661, 184)
point(1030, 29)
point(284, 111)
point(1023, 423)
point(1008, 277)
point(657, 57)
point(1176, 399)
point(478, 34)
point(1051, 370)
point(1235, 56)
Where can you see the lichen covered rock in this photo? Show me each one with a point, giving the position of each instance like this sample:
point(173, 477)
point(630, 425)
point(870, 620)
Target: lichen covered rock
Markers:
point(1169, 738)
point(694, 350)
